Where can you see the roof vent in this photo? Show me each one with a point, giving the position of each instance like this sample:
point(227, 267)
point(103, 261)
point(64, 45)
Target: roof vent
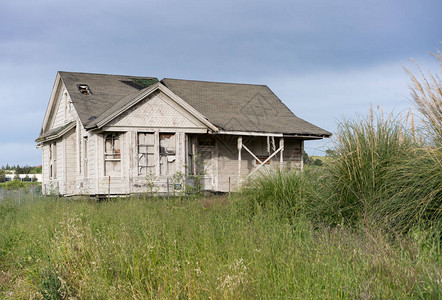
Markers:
point(84, 89)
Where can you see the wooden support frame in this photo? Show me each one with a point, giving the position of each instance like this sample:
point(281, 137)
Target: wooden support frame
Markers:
point(240, 145)
point(251, 153)
point(264, 162)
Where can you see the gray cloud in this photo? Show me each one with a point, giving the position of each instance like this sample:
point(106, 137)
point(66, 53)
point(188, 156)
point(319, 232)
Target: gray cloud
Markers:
point(313, 49)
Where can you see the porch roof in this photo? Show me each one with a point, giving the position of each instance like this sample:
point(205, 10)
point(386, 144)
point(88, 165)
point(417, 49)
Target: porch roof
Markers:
point(242, 107)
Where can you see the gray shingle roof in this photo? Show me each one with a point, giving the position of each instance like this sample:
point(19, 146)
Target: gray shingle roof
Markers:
point(106, 90)
point(229, 106)
point(241, 107)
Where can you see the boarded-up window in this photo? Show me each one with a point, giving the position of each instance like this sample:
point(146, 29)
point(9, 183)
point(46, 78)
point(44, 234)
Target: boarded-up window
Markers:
point(53, 160)
point(146, 152)
point(112, 155)
point(167, 153)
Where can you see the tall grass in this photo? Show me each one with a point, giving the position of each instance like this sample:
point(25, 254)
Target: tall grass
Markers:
point(366, 149)
point(133, 248)
point(286, 191)
point(426, 92)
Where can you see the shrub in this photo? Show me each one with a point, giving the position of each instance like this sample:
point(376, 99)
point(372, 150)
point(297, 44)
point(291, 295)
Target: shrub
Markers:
point(14, 185)
point(318, 162)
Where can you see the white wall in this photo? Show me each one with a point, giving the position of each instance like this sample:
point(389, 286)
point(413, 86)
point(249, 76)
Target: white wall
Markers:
point(22, 176)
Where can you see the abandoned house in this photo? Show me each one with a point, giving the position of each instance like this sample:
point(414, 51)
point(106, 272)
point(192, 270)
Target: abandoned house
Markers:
point(111, 134)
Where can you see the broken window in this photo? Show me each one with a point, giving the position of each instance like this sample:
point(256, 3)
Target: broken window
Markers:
point(167, 153)
point(84, 89)
point(53, 160)
point(146, 151)
point(112, 155)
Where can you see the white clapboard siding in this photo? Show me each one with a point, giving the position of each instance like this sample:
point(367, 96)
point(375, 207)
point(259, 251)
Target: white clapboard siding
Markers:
point(65, 111)
point(45, 168)
point(71, 162)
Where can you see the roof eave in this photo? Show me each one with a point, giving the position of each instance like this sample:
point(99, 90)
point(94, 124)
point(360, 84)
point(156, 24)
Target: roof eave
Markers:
point(42, 139)
point(276, 134)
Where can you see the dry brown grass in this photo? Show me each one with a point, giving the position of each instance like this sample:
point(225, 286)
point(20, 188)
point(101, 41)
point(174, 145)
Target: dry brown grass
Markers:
point(426, 92)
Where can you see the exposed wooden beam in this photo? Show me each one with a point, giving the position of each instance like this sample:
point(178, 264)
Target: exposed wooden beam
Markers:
point(264, 162)
point(281, 158)
point(240, 145)
point(249, 133)
point(251, 153)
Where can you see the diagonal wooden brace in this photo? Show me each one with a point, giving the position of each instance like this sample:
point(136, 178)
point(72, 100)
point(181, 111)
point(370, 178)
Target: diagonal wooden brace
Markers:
point(251, 153)
point(264, 162)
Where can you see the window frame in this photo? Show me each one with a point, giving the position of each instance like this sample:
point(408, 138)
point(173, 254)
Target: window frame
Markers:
point(153, 154)
point(53, 160)
point(163, 153)
point(116, 152)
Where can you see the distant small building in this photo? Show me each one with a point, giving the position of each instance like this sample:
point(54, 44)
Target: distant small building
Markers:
point(22, 177)
point(113, 133)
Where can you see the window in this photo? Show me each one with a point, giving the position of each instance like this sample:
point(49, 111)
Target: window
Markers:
point(84, 89)
point(112, 155)
point(190, 156)
point(146, 151)
point(53, 160)
point(85, 155)
point(167, 153)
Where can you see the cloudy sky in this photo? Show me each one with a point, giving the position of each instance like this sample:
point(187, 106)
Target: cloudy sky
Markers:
point(327, 60)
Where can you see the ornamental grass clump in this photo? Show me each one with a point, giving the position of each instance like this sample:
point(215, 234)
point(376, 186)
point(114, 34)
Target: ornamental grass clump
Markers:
point(388, 171)
point(366, 149)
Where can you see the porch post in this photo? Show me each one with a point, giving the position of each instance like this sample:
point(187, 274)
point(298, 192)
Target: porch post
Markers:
point(193, 142)
point(281, 158)
point(239, 158)
point(302, 151)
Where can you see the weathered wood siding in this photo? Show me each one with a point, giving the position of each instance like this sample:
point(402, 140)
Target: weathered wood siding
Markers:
point(70, 161)
point(65, 111)
point(157, 111)
point(45, 168)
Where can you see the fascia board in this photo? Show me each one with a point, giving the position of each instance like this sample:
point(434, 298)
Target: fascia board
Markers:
point(250, 133)
point(51, 102)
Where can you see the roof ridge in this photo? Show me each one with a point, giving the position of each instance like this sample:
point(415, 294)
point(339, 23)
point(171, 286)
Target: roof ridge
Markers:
point(220, 82)
point(102, 74)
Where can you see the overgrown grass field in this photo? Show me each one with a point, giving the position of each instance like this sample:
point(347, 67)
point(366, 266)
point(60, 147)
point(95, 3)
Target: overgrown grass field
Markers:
point(211, 247)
